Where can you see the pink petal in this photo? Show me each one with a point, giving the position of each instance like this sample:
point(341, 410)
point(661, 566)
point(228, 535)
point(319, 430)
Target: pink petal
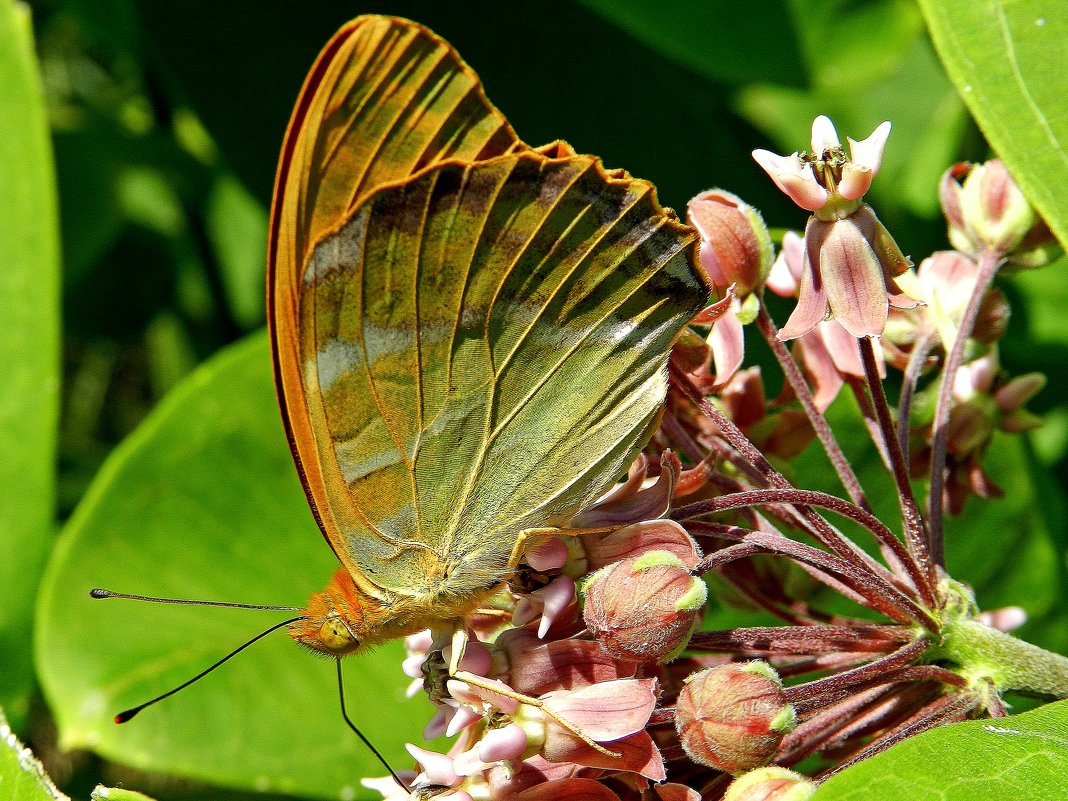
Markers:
point(476, 658)
point(469, 762)
point(824, 136)
point(709, 259)
point(820, 371)
point(537, 667)
point(1019, 391)
point(647, 504)
point(715, 310)
point(472, 694)
point(1006, 618)
point(437, 768)
point(793, 177)
point(856, 180)
point(436, 726)
point(852, 278)
point(463, 717)
point(419, 642)
point(549, 555)
point(728, 346)
point(568, 790)
point(804, 191)
point(649, 535)
point(502, 744)
point(869, 152)
point(606, 711)
point(551, 601)
point(785, 276)
point(412, 666)
point(812, 305)
point(843, 348)
point(637, 753)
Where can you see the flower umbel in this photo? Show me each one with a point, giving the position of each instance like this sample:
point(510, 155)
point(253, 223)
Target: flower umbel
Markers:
point(849, 259)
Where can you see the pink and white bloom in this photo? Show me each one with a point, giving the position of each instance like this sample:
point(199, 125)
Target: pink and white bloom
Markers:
point(849, 259)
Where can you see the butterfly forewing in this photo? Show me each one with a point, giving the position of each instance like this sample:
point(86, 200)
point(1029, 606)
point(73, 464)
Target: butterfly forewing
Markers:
point(386, 98)
point(484, 353)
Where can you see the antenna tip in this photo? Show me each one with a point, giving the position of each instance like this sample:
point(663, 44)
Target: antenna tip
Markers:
point(99, 593)
point(122, 717)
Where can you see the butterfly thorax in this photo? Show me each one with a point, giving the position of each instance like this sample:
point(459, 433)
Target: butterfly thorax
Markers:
point(343, 618)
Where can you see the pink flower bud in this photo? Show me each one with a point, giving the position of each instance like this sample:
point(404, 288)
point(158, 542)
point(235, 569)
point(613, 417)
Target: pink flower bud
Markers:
point(770, 784)
point(733, 717)
point(644, 608)
point(735, 244)
point(987, 212)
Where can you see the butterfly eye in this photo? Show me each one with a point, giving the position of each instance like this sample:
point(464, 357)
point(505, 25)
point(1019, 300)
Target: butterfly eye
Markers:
point(336, 636)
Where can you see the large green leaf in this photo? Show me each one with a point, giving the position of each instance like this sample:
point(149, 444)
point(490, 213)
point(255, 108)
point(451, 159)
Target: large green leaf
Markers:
point(29, 349)
point(1021, 758)
point(203, 502)
point(22, 778)
point(1007, 61)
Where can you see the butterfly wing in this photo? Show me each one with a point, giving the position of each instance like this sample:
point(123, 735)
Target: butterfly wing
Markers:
point(485, 352)
point(385, 98)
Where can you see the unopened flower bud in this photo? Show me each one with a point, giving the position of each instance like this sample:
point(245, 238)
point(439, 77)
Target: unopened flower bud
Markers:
point(770, 784)
point(644, 608)
point(987, 212)
point(733, 717)
point(735, 244)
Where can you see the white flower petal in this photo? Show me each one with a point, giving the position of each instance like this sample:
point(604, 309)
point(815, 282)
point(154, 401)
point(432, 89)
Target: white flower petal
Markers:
point(824, 136)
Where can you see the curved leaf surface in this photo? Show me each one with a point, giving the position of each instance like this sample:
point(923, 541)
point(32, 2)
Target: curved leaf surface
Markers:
point(1021, 757)
point(29, 349)
point(1006, 59)
point(202, 502)
point(22, 777)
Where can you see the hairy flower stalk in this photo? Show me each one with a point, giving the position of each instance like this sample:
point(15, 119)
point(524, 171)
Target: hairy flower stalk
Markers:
point(589, 676)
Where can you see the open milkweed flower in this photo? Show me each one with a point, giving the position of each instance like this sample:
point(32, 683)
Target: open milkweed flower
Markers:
point(850, 259)
point(828, 352)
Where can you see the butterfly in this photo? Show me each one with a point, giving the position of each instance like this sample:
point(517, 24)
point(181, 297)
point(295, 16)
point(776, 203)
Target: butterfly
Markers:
point(469, 334)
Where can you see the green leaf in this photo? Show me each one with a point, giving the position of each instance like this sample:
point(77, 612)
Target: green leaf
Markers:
point(29, 349)
point(721, 41)
point(22, 777)
point(237, 226)
point(1007, 61)
point(203, 502)
point(1020, 758)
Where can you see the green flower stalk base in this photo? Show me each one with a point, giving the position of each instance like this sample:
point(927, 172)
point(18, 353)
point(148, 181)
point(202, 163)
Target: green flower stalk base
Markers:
point(983, 654)
point(987, 656)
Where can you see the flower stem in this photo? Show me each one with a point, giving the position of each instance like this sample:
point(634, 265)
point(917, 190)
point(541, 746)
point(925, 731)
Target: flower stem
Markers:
point(988, 267)
point(815, 417)
point(983, 653)
point(917, 359)
point(915, 530)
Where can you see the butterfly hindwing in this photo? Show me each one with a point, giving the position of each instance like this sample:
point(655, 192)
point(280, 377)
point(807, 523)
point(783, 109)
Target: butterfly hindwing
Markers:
point(484, 352)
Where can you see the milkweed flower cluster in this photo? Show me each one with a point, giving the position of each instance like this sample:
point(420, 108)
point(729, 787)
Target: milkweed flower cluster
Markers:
point(594, 674)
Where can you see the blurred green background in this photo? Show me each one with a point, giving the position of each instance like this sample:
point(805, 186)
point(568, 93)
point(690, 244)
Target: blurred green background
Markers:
point(165, 120)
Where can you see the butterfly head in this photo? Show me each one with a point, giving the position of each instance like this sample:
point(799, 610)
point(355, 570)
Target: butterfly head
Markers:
point(338, 620)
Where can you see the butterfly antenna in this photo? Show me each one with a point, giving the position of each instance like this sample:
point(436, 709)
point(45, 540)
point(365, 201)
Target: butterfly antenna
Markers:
point(360, 734)
point(128, 713)
point(100, 593)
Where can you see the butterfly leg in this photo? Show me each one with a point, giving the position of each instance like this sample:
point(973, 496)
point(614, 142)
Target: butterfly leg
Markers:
point(459, 646)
